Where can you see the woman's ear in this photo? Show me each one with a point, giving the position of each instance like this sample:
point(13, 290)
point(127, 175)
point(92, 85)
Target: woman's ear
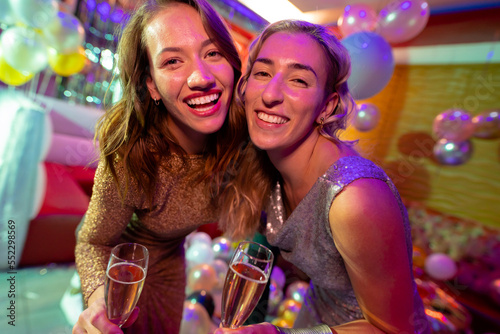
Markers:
point(153, 90)
point(329, 107)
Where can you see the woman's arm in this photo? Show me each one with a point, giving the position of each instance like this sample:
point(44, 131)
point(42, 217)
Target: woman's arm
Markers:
point(104, 222)
point(368, 231)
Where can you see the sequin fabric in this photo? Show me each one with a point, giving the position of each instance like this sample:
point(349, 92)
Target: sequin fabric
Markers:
point(330, 298)
point(180, 206)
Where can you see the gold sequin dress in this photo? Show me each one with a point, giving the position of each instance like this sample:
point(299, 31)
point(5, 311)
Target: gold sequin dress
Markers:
point(180, 205)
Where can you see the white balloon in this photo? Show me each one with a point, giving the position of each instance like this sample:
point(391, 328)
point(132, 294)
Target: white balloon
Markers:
point(222, 248)
point(65, 33)
point(199, 253)
point(24, 49)
point(201, 237)
point(440, 266)
point(195, 319)
point(35, 13)
point(6, 15)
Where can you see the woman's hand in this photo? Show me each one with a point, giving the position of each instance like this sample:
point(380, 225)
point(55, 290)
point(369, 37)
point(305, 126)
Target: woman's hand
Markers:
point(94, 320)
point(263, 328)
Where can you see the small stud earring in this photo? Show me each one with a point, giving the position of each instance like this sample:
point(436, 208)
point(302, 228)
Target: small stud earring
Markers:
point(321, 122)
point(157, 102)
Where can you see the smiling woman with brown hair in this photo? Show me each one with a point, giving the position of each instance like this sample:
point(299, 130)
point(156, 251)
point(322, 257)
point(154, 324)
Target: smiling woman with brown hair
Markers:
point(165, 147)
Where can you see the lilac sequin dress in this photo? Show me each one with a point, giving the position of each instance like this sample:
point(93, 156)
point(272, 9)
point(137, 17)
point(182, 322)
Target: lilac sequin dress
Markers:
point(330, 298)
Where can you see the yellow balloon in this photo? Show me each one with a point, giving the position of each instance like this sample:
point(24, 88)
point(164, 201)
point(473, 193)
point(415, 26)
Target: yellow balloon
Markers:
point(67, 64)
point(11, 76)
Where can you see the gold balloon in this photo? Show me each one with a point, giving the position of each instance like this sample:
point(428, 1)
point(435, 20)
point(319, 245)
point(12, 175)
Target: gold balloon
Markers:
point(11, 76)
point(290, 305)
point(67, 64)
point(280, 322)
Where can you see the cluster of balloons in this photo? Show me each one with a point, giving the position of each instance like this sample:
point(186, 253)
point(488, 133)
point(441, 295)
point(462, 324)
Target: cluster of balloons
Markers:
point(367, 37)
point(285, 302)
point(398, 22)
point(454, 129)
point(39, 35)
point(207, 262)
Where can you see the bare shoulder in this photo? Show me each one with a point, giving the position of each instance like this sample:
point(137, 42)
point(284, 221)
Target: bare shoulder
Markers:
point(365, 204)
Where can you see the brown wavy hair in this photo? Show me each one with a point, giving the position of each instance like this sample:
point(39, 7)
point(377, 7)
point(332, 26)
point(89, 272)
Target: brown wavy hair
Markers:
point(135, 129)
point(246, 196)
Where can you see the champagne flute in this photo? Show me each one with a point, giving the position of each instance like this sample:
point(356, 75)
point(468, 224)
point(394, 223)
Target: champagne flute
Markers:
point(127, 268)
point(246, 279)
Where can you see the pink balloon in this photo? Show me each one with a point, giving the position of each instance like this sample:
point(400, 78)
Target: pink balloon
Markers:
point(487, 125)
point(402, 20)
point(453, 125)
point(202, 277)
point(440, 266)
point(358, 17)
point(366, 117)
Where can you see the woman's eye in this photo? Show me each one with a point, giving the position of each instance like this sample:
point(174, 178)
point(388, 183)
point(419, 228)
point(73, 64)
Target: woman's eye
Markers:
point(261, 74)
point(214, 54)
point(172, 62)
point(300, 81)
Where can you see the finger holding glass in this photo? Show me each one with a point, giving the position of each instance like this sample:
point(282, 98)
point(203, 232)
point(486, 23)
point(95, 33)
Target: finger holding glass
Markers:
point(246, 279)
point(127, 269)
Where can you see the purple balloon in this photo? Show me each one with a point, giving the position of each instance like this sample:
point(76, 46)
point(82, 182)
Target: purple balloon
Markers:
point(372, 64)
point(278, 275)
point(452, 153)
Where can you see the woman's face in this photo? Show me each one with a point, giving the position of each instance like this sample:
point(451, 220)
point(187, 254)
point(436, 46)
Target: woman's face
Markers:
point(285, 95)
point(189, 74)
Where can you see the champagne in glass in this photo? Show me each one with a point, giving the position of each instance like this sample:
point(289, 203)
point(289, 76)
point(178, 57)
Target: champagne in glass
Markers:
point(246, 279)
point(125, 276)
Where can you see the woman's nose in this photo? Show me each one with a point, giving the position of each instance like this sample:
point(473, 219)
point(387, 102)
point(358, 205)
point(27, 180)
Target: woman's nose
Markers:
point(273, 92)
point(201, 77)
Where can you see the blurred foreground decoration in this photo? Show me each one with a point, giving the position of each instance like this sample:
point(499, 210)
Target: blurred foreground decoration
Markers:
point(24, 142)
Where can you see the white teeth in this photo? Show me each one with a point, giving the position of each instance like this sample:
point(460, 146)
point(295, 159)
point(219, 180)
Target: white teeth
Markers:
point(271, 118)
point(203, 99)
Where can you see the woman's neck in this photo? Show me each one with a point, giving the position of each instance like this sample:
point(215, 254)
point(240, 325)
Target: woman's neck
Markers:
point(301, 168)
